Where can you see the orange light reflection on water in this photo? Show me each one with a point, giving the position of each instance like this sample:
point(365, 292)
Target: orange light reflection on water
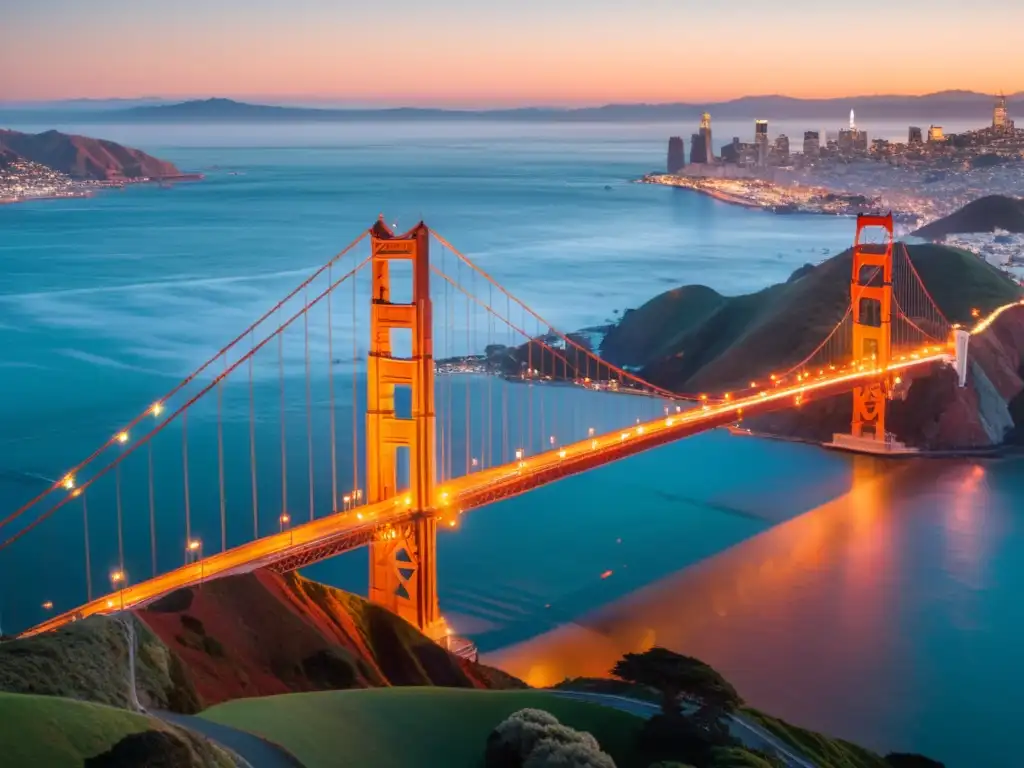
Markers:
point(783, 605)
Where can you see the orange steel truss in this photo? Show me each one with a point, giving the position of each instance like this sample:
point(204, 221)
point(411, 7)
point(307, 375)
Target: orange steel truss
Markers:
point(871, 300)
point(403, 573)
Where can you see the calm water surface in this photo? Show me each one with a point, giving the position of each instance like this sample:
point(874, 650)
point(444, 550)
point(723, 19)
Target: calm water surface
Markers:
point(876, 602)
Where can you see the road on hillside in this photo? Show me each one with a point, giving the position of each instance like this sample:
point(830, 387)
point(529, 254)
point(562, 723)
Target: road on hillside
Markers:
point(254, 750)
point(749, 735)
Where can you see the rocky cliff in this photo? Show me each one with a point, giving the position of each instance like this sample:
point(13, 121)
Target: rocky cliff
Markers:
point(83, 158)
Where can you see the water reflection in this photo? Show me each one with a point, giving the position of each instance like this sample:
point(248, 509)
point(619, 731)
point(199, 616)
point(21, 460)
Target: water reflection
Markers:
point(849, 618)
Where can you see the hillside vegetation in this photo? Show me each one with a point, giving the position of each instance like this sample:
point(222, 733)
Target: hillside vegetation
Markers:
point(51, 732)
point(263, 633)
point(698, 340)
point(88, 660)
point(985, 214)
point(84, 158)
point(397, 728)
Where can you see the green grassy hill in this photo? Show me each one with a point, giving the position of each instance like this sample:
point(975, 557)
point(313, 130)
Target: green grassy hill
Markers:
point(52, 732)
point(401, 727)
point(985, 214)
point(691, 341)
point(88, 660)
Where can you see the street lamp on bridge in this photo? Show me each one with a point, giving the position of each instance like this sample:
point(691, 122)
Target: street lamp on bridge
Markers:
point(195, 549)
point(285, 519)
point(118, 580)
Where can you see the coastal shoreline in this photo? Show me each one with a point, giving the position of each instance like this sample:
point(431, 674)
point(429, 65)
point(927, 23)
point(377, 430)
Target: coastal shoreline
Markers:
point(97, 187)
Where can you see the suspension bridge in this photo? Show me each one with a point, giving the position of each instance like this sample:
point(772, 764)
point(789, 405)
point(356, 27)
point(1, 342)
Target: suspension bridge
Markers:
point(294, 443)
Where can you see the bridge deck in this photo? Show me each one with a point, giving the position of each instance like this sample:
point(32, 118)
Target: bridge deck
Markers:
point(342, 531)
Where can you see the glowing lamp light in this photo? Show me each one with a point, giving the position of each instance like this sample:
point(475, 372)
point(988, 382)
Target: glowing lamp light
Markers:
point(285, 519)
point(359, 515)
point(593, 443)
point(117, 577)
point(194, 545)
point(408, 501)
point(346, 499)
point(48, 605)
point(451, 523)
point(639, 430)
point(157, 408)
point(110, 603)
point(122, 437)
point(590, 432)
point(561, 454)
point(68, 482)
point(519, 453)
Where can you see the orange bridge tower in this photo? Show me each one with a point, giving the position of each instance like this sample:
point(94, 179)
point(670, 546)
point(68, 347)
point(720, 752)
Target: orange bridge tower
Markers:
point(871, 300)
point(403, 573)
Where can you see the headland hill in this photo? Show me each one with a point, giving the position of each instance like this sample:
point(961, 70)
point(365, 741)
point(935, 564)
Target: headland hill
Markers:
point(278, 670)
point(59, 165)
point(694, 339)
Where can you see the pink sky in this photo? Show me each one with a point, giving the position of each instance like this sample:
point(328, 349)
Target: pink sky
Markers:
point(453, 52)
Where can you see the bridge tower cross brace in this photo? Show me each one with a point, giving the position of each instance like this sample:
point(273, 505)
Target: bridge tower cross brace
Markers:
point(403, 572)
point(871, 300)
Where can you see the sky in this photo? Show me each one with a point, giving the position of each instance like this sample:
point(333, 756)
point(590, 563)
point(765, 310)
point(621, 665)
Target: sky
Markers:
point(503, 52)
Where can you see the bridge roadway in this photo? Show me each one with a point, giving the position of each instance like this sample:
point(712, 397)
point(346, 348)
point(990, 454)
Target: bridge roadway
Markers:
point(342, 531)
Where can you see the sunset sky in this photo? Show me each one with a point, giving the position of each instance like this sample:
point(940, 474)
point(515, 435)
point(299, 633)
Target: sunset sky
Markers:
point(504, 52)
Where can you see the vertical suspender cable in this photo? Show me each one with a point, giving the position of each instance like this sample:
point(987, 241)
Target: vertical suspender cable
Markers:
point(120, 524)
point(152, 508)
point(469, 351)
point(355, 385)
point(88, 559)
point(252, 445)
point(284, 453)
point(330, 390)
point(220, 460)
point(309, 407)
point(184, 466)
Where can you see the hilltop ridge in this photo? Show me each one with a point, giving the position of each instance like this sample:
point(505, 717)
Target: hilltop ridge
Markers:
point(83, 158)
point(692, 339)
point(943, 104)
point(986, 214)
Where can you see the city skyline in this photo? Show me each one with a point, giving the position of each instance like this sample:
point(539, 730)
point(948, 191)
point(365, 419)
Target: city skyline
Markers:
point(568, 54)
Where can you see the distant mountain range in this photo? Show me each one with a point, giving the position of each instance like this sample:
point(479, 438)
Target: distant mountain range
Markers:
point(935, 106)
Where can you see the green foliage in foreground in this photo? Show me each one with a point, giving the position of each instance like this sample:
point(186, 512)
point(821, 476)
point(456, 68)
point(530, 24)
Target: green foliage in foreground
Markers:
point(399, 727)
point(819, 749)
point(54, 732)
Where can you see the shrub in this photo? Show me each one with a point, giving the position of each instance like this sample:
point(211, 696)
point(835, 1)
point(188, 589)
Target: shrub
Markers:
point(532, 738)
point(578, 754)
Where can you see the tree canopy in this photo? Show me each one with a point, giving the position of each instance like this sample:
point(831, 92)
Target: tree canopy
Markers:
point(676, 676)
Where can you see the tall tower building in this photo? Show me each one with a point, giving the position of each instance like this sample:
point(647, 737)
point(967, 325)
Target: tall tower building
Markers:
point(676, 155)
point(999, 115)
point(915, 136)
point(698, 150)
point(761, 142)
point(812, 144)
point(853, 122)
point(705, 132)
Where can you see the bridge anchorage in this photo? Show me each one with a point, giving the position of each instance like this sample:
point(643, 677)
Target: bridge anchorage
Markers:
point(509, 405)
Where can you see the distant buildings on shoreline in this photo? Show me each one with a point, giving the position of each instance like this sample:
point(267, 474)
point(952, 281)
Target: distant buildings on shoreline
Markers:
point(751, 159)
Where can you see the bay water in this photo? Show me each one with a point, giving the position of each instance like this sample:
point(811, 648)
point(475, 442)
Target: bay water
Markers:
point(876, 601)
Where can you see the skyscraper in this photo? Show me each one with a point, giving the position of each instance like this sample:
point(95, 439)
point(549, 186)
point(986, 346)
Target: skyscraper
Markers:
point(676, 155)
point(999, 115)
point(705, 132)
point(915, 136)
point(698, 150)
point(935, 134)
point(782, 148)
point(761, 142)
point(812, 144)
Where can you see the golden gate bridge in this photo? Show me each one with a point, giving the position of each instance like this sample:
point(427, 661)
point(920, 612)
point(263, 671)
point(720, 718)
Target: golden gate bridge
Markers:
point(440, 435)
